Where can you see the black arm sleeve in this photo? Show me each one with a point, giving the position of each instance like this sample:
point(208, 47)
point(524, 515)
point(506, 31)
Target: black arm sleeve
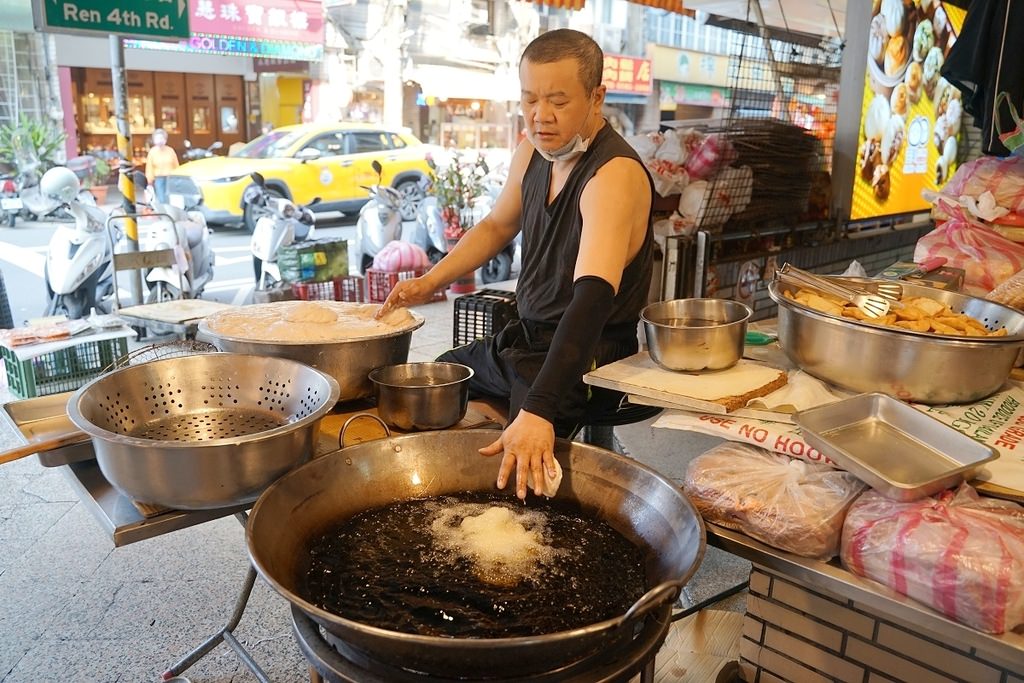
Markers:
point(573, 346)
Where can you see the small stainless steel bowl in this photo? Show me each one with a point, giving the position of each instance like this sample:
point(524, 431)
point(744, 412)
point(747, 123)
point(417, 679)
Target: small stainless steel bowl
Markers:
point(695, 334)
point(419, 396)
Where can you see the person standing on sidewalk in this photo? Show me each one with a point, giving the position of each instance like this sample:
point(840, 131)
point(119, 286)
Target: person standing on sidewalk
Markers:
point(582, 198)
point(160, 163)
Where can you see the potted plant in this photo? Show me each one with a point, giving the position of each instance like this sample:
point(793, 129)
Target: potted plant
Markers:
point(41, 138)
point(456, 185)
point(97, 181)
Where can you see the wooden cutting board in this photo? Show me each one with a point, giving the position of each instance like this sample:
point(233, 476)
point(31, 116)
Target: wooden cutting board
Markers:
point(711, 392)
point(478, 415)
point(176, 312)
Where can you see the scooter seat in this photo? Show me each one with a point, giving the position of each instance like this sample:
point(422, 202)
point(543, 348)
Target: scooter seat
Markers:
point(195, 233)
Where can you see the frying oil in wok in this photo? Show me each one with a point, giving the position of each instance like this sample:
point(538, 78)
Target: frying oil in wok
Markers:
point(474, 565)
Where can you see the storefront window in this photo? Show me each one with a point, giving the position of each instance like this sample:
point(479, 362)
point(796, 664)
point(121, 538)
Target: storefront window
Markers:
point(169, 119)
point(141, 113)
point(201, 120)
point(98, 111)
point(228, 120)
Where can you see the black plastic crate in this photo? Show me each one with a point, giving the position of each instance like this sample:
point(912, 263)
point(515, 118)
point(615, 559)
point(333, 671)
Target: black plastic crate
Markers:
point(482, 313)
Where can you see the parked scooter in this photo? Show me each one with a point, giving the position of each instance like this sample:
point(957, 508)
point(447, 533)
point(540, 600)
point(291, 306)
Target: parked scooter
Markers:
point(380, 220)
point(429, 230)
point(499, 267)
point(35, 203)
point(79, 271)
point(10, 201)
point(171, 226)
point(279, 223)
point(193, 153)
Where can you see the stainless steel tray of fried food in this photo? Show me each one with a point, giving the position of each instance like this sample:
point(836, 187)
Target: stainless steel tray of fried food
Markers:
point(891, 446)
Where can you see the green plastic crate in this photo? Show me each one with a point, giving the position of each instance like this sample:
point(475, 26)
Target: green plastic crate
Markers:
point(62, 370)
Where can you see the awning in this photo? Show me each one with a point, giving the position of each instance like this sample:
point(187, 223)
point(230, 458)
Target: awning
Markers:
point(562, 4)
point(447, 83)
point(667, 5)
point(623, 98)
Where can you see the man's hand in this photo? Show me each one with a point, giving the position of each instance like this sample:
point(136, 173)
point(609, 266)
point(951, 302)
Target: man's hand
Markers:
point(528, 445)
point(407, 293)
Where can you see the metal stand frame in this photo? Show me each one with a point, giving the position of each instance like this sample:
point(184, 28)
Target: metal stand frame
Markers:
point(141, 260)
point(226, 634)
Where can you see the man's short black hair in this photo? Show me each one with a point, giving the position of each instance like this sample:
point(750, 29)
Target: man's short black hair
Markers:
point(565, 43)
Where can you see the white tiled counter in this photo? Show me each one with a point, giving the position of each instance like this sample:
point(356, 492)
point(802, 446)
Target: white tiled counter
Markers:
point(812, 622)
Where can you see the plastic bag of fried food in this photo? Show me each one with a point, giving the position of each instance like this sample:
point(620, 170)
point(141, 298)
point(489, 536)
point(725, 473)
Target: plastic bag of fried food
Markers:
point(914, 313)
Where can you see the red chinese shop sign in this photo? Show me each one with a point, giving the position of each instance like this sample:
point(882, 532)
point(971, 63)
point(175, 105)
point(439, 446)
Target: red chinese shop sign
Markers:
point(627, 74)
point(293, 21)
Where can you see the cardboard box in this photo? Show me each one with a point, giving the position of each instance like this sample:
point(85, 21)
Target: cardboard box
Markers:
point(944, 277)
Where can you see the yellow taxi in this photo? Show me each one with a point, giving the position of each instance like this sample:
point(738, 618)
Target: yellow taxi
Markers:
point(329, 161)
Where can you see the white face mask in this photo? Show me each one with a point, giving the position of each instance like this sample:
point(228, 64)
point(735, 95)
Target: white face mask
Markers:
point(569, 151)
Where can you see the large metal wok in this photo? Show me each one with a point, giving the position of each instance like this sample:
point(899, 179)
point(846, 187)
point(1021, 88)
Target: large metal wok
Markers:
point(639, 503)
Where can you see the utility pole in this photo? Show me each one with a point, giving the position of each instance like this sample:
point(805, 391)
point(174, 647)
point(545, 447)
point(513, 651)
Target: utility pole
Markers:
point(126, 182)
point(393, 37)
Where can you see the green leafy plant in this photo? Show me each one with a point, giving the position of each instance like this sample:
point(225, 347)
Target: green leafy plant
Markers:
point(455, 186)
point(43, 136)
point(100, 174)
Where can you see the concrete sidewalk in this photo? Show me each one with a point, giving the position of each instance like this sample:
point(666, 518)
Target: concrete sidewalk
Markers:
point(74, 608)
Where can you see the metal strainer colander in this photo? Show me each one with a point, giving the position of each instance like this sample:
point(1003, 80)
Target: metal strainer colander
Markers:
point(203, 431)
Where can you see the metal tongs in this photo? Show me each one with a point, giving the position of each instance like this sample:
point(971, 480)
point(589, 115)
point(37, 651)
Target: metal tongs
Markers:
point(871, 305)
point(893, 291)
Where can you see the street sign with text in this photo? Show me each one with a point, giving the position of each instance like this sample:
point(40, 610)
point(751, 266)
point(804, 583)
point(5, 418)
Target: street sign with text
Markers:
point(142, 18)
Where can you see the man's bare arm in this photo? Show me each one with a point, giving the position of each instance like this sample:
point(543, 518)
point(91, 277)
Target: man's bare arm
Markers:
point(615, 204)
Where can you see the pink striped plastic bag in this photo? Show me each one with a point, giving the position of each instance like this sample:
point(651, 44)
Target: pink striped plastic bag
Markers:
point(958, 553)
point(987, 258)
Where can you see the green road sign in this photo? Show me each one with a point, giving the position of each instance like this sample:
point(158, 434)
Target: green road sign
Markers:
point(142, 18)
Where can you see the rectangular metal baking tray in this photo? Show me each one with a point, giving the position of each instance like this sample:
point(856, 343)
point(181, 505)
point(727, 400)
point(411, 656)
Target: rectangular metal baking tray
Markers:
point(45, 417)
point(893, 447)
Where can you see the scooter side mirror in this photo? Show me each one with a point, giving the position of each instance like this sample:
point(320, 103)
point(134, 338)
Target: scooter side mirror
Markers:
point(187, 143)
point(257, 178)
point(314, 201)
point(216, 145)
point(377, 167)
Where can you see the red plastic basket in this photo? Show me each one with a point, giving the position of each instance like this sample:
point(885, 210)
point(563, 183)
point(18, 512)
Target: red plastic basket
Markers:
point(379, 283)
point(344, 288)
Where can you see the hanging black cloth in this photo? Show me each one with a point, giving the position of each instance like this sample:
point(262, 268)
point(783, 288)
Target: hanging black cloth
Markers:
point(988, 58)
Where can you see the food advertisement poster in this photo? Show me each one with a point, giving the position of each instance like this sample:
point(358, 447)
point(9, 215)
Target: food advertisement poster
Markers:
point(910, 115)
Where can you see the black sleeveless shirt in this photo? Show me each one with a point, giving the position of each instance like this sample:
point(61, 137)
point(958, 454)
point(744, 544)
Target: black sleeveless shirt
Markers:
point(551, 238)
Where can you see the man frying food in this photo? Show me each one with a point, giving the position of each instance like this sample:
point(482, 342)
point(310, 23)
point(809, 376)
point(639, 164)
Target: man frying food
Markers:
point(582, 198)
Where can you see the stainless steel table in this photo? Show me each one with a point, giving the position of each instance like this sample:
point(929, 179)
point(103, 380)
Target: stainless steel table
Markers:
point(119, 517)
point(125, 524)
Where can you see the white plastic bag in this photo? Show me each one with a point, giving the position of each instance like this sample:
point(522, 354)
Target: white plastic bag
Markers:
point(646, 145)
point(671, 149)
point(790, 504)
point(855, 269)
